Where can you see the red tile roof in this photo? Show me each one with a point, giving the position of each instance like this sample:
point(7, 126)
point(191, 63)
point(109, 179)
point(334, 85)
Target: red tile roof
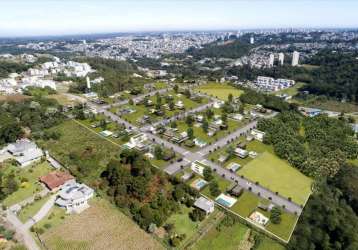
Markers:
point(56, 179)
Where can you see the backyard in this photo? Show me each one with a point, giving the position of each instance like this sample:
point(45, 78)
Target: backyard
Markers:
point(28, 177)
point(228, 238)
point(219, 90)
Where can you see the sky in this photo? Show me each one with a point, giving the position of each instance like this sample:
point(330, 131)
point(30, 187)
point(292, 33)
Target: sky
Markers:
point(60, 17)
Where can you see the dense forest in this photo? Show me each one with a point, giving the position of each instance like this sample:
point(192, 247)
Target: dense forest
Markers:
point(34, 114)
point(336, 77)
point(228, 49)
point(11, 67)
point(117, 76)
point(319, 147)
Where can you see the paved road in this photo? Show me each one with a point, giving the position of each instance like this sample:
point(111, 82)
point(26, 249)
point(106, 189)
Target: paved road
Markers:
point(189, 157)
point(137, 98)
point(29, 242)
point(227, 139)
point(256, 189)
point(29, 200)
point(180, 116)
point(41, 213)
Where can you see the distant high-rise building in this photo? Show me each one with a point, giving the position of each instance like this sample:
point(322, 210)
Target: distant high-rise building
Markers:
point(295, 58)
point(281, 58)
point(271, 60)
point(88, 82)
point(252, 40)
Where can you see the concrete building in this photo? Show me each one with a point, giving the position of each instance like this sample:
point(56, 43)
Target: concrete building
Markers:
point(74, 197)
point(271, 60)
point(281, 58)
point(25, 152)
point(206, 205)
point(252, 40)
point(258, 135)
point(295, 58)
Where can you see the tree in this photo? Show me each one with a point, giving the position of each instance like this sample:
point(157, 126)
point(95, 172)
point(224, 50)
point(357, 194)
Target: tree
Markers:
point(275, 216)
point(230, 98)
point(208, 174)
point(230, 151)
point(189, 120)
point(205, 125)
point(176, 88)
point(103, 124)
point(197, 214)
point(214, 188)
point(209, 113)
point(173, 124)
point(224, 117)
point(158, 152)
point(190, 133)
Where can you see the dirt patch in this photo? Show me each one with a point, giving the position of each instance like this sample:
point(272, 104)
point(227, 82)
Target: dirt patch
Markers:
point(101, 226)
point(13, 98)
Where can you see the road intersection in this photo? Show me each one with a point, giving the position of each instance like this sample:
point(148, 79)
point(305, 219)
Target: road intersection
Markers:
point(201, 155)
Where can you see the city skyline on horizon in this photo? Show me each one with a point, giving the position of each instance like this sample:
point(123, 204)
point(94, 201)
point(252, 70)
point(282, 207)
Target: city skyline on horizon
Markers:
point(53, 18)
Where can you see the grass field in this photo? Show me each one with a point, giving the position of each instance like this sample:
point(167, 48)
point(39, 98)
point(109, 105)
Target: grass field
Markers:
point(268, 244)
point(220, 91)
point(101, 226)
point(182, 223)
point(276, 175)
point(55, 217)
point(31, 186)
point(285, 227)
point(290, 91)
point(228, 238)
point(84, 152)
point(247, 203)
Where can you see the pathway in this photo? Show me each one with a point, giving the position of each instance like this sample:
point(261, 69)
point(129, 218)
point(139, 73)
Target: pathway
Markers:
point(41, 213)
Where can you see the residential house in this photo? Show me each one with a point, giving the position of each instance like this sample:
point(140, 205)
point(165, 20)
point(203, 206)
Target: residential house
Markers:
point(198, 167)
point(56, 179)
point(242, 153)
point(258, 135)
point(74, 197)
point(208, 206)
point(25, 152)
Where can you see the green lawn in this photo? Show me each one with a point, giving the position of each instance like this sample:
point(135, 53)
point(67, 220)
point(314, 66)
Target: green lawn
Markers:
point(182, 223)
point(54, 218)
point(83, 151)
point(226, 239)
point(223, 186)
point(247, 203)
point(31, 185)
point(30, 210)
point(276, 175)
point(219, 90)
point(255, 145)
point(200, 133)
point(269, 244)
point(292, 91)
point(160, 85)
point(286, 226)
